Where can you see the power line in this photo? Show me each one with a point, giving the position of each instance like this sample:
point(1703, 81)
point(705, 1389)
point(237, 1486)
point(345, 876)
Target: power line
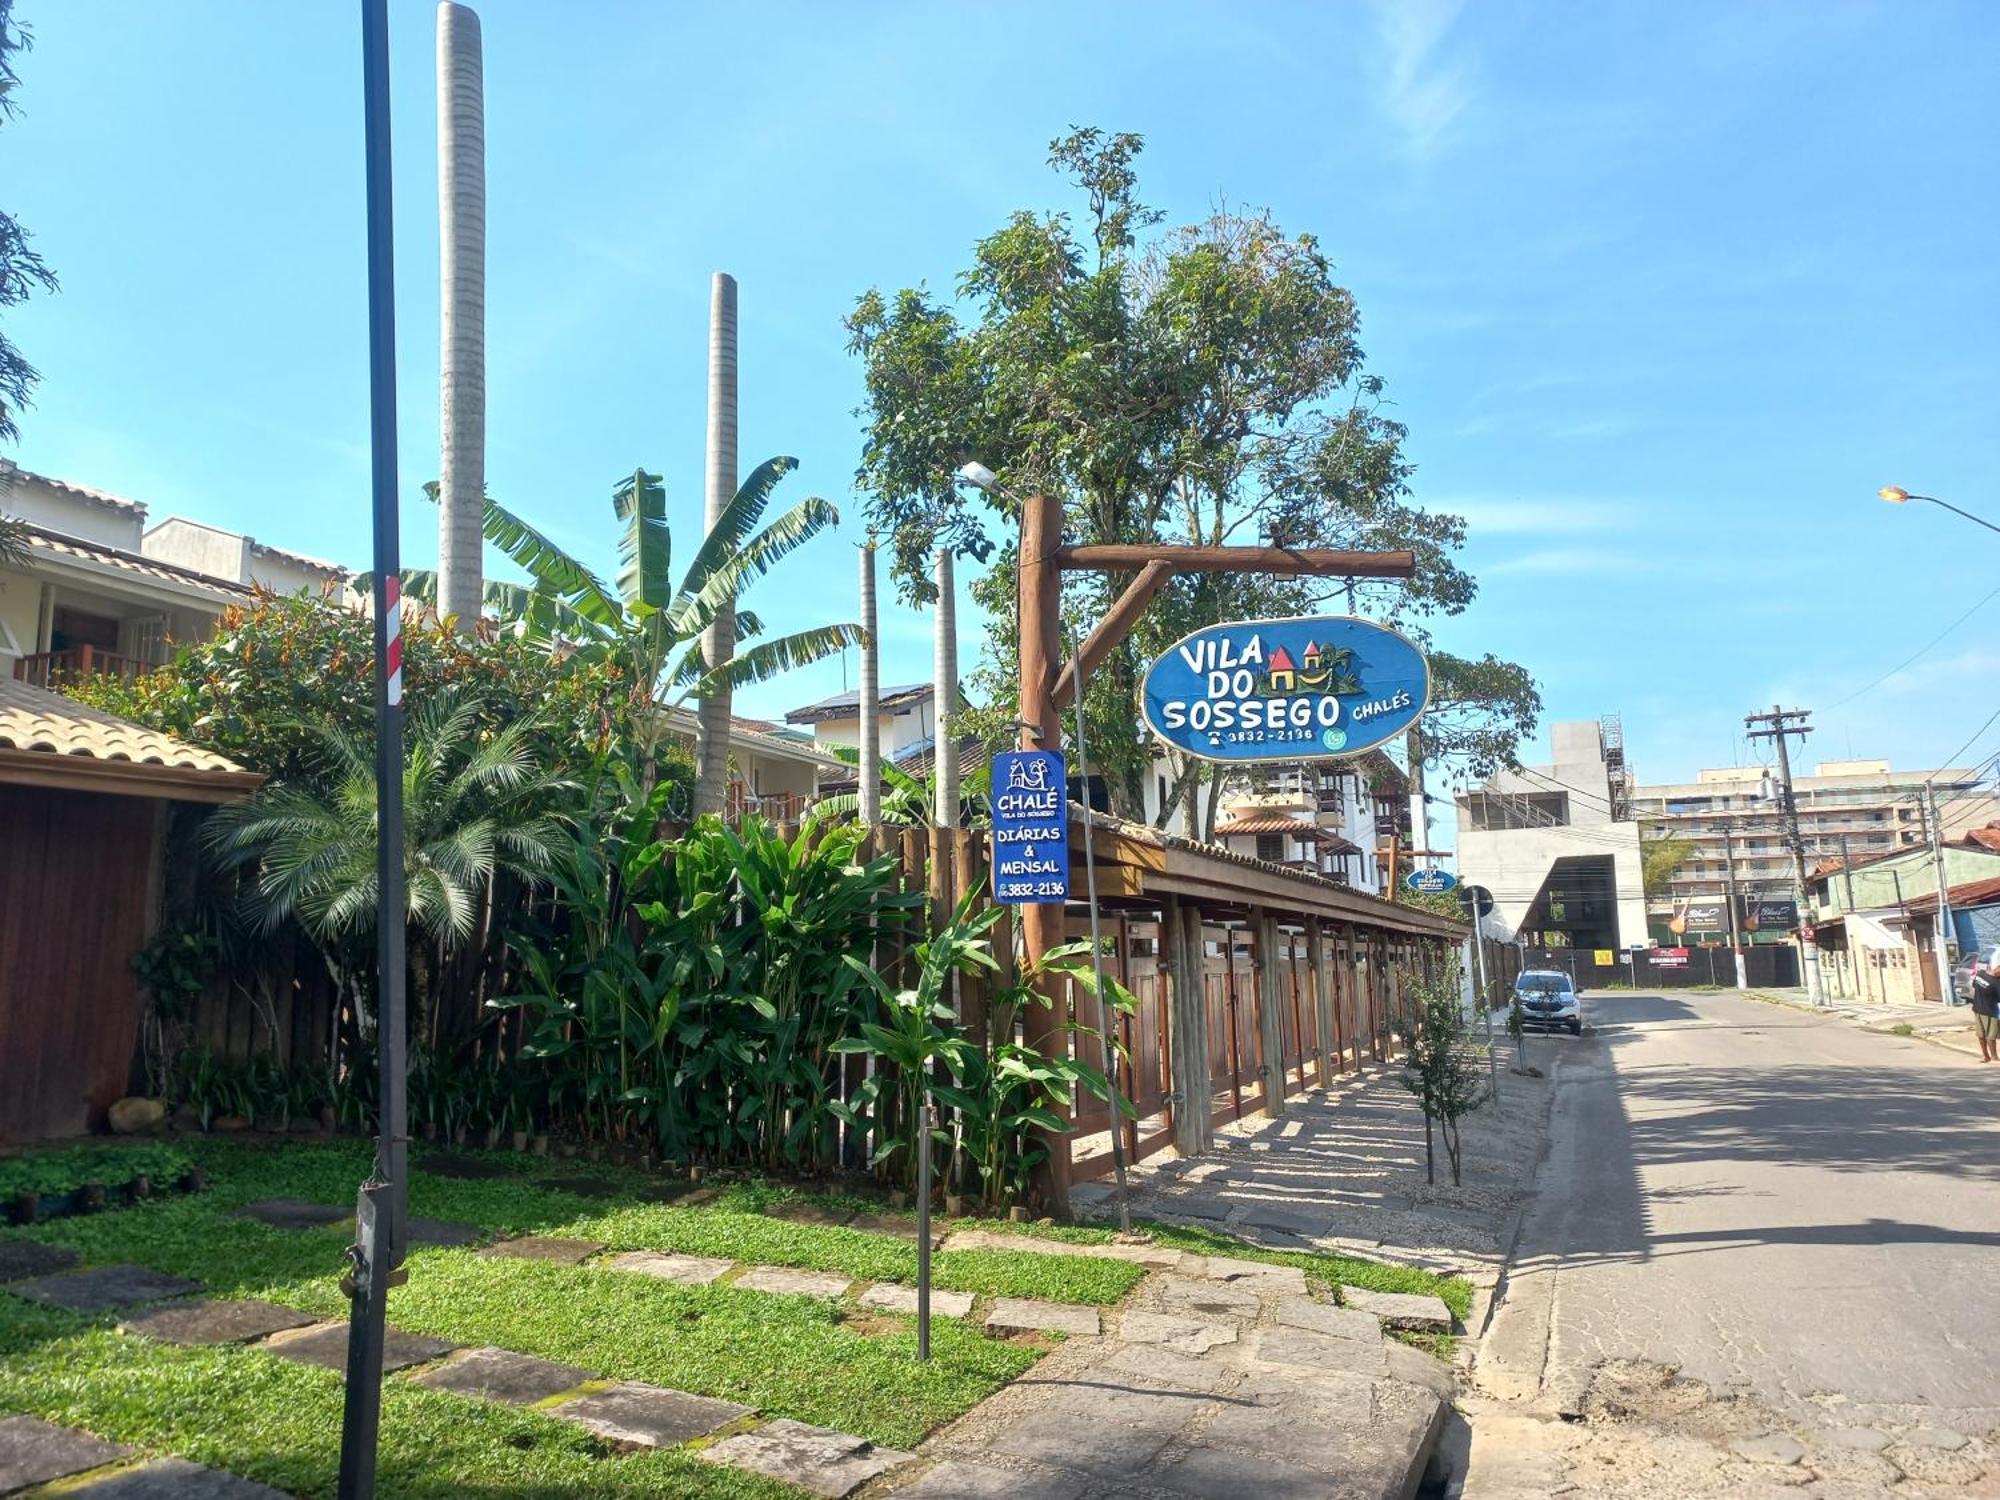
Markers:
point(1920, 650)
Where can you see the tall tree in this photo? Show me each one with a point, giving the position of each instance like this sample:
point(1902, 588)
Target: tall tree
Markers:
point(461, 118)
point(719, 641)
point(22, 270)
point(1201, 384)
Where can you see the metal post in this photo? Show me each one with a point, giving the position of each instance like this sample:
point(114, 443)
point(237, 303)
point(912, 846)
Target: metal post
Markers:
point(377, 1255)
point(1735, 932)
point(944, 699)
point(1104, 1027)
point(923, 1123)
point(1944, 933)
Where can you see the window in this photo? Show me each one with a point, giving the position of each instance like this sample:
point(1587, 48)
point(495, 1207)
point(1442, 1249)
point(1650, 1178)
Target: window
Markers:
point(1271, 846)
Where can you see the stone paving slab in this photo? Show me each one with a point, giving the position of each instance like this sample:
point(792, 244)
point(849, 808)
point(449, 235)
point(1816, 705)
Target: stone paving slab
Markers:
point(1111, 1451)
point(1158, 1257)
point(650, 1416)
point(104, 1289)
point(1254, 1275)
point(326, 1346)
point(20, 1259)
point(1321, 1351)
point(444, 1232)
point(889, 1296)
point(177, 1479)
point(293, 1213)
point(816, 1459)
point(687, 1270)
point(1027, 1315)
point(1182, 1335)
point(1149, 1362)
point(545, 1247)
point(1324, 1317)
point(956, 1479)
point(1406, 1310)
point(33, 1451)
point(788, 1282)
point(1209, 1474)
point(902, 1226)
point(1208, 1298)
point(214, 1321)
point(501, 1375)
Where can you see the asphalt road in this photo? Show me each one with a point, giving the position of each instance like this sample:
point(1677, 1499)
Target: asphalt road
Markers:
point(1777, 1205)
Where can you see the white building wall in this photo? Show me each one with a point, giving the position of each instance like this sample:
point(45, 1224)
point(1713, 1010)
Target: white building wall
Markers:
point(40, 503)
point(205, 549)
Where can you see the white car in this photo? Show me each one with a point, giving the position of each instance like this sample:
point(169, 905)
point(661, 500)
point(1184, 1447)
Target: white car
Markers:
point(1549, 1000)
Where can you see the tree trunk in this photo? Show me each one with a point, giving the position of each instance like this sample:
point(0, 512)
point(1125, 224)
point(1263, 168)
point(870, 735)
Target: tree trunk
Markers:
point(718, 642)
point(461, 106)
point(944, 750)
point(868, 771)
point(1430, 1152)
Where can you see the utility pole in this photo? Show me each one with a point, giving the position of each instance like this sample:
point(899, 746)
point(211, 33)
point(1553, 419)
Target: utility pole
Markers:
point(1779, 725)
point(868, 760)
point(1735, 929)
point(1944, 936)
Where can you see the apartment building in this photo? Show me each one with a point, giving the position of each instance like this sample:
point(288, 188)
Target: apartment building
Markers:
point(1348, 820)
point(1557, 843)
point(1849, 811)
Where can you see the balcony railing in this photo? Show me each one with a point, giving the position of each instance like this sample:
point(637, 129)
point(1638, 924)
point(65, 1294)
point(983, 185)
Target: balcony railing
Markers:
point(51, 669)
point(775, 807)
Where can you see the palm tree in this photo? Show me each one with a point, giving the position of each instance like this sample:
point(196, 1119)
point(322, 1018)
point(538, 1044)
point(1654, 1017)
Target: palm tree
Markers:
point(13, 541)
point(461, 108)
point(719, 641)
point(472, 808)
point(648, 625)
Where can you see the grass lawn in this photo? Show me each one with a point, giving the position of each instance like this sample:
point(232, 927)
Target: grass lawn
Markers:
point(245, 1410)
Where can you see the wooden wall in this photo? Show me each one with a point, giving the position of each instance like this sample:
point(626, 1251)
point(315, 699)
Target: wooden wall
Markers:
point(76, 902)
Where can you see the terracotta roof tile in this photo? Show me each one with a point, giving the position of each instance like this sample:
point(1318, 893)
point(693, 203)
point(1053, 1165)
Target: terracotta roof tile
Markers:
point(56, 544)
point(33, 718)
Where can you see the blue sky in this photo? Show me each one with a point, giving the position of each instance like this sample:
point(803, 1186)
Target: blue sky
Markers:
point(1664, 293)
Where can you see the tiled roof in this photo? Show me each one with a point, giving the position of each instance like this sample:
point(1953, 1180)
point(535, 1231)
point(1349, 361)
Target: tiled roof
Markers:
point(33, 718)
point(1971, 893)
point(56, 544)
point(847, 705)
point(1276, 822)
point(300, 559)
point(1984, 838)
point(741, 731)
point(81, 491)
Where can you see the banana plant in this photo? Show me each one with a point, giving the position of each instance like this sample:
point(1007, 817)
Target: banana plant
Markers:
point(647, 623)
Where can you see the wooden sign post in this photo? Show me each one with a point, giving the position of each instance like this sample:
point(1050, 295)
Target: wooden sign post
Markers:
point(1047, 686)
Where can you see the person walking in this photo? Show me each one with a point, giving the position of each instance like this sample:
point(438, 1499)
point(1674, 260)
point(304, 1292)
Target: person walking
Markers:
point(1986, 1005)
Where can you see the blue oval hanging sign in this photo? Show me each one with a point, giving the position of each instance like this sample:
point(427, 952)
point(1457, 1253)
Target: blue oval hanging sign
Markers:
point(1310, 688)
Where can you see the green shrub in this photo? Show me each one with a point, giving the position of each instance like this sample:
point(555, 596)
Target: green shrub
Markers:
point(53, 1173)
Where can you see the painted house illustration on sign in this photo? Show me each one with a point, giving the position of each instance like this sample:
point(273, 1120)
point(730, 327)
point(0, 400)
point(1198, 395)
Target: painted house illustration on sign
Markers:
point(1283, 676)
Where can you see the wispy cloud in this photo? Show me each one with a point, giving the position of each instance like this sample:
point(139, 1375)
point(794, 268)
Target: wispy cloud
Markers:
point(1564, 560)
point(1422, 92)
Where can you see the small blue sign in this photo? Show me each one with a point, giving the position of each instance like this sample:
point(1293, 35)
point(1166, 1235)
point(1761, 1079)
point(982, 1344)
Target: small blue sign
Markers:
point(1312, 688)
point(1030, 827)
point(1430, 882)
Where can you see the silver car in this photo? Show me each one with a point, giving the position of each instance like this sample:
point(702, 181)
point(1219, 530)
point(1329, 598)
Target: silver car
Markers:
point(1549, 1001)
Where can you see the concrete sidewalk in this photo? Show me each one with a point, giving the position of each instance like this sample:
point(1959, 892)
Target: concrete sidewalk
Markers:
point(1944, 1025)
point(1343, 1170)
point(1218, 1379)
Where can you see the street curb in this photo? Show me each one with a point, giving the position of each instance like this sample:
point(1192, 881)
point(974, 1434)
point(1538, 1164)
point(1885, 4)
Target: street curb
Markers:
point(1486, 1298)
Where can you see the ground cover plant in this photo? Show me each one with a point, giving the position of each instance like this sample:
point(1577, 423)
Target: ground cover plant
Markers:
point(49, 1174)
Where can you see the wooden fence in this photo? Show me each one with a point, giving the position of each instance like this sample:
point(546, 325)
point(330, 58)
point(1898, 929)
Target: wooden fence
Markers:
point(1287, 1000)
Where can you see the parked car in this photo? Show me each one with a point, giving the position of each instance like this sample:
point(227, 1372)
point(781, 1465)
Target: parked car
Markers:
point(1549, 1001)
point(1961, 974)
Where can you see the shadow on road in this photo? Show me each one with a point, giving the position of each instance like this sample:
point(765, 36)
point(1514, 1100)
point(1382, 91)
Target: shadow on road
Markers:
point(1724, 1118)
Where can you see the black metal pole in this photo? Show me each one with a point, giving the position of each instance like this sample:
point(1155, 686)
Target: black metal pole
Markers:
point(924, 1219)
point(377, 1253)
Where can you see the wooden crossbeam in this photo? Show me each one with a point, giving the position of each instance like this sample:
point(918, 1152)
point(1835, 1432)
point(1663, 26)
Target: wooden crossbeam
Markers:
point(1113, 628)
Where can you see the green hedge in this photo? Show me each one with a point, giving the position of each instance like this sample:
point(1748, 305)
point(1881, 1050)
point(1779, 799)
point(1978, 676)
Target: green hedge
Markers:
point(53, 1173)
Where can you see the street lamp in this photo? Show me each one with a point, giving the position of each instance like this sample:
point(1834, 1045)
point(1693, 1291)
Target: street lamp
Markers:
point(1895, 494)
